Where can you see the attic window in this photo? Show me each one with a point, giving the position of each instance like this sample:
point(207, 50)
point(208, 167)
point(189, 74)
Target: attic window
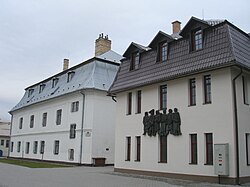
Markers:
point(135, 61)
point(30, 92)
point(162, 52)
point(54, 82)
point(42, 86)
point(70, 75)
point(196, 39)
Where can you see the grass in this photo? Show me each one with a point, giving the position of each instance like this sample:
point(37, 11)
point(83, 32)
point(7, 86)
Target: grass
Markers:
point(31, 164)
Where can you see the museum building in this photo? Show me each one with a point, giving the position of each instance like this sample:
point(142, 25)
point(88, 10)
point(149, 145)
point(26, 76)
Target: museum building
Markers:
point(183, 104)
point(66, 116)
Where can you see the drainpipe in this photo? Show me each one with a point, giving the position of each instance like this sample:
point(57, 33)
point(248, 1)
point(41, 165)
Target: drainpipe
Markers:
point(83, 103)
point(236, 129)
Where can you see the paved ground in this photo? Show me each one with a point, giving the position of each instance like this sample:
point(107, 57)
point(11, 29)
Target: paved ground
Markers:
point(17, 176)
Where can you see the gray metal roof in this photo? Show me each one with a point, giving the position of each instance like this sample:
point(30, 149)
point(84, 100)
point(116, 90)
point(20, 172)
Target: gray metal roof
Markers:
point(96, 73)
point(224, 45)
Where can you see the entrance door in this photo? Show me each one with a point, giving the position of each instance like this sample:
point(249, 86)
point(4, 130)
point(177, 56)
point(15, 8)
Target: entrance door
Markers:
point(1, 153)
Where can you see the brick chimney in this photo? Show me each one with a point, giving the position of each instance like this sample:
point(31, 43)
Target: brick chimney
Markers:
point(176, 26)
point(102, 44)
point(65, 64)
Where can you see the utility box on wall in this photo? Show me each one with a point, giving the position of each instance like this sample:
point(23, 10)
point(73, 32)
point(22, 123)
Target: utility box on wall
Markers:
point(221, 155)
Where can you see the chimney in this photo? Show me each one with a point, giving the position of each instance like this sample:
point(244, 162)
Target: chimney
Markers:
point(176, 26)
point(65, 64)
point(102, 44)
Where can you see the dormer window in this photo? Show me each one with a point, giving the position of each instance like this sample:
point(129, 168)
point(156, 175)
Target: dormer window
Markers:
point(196, 39)
point(30, 92)
point(42, 86)
point(135, 61)
point(70, 75)
point(162, 52)
point(54, 82)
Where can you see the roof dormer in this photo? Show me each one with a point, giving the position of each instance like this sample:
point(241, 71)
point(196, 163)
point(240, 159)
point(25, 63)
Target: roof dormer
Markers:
point(160, 38)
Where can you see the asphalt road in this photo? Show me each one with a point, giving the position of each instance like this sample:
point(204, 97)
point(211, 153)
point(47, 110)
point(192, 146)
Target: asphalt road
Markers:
point(17, 176)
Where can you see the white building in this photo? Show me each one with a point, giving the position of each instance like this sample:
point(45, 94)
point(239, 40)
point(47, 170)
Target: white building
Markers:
point(4, 138)
point(68, 116)
point(203, 71)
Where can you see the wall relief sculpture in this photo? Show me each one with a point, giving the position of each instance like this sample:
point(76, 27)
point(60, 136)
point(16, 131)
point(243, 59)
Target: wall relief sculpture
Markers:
point(155, 122)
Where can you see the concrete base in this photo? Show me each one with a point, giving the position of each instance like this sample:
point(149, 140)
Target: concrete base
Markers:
point(202, 178)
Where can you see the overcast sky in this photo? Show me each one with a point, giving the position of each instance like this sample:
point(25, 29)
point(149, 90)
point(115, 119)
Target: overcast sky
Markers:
point(36, 35)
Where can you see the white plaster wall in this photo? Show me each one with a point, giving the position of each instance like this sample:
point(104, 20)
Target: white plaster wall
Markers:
point(51, 132)
point(104, 127)
point(216, 118)
point(243, 120)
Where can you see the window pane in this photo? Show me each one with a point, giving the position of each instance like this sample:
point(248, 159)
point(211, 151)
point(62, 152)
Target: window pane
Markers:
point(129, 109)
point(209, 148)
point(139, 101)
point(163, 148)
point(128, 148)
point(192, 92)
point(138, 148)
point(163, 97)
point(207, 88)
point(248, 148)
point(193, 138)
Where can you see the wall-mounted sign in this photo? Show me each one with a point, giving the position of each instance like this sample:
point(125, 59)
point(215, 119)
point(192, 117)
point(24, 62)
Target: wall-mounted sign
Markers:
point(162, 123)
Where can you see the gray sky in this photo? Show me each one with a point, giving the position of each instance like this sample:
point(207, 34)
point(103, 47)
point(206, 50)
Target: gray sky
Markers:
point(36, 35)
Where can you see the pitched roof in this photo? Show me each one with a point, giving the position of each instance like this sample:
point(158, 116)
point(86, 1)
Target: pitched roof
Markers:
point(95, 73)
point(134, 47)
point(224, 45)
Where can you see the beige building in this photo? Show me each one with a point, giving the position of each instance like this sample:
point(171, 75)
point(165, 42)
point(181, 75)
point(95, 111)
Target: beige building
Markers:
point(183, 104)
point(4, 138)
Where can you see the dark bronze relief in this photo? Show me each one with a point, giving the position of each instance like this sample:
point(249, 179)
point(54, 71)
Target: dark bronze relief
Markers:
point(162, 123)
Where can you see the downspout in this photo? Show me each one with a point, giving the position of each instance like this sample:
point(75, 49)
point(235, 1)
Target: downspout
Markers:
point(81, 143)
point(236, 129)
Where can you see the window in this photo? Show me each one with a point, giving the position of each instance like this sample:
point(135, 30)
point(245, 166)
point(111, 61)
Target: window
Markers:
point(41, 88)
point(20, 123)
point(44, 120)
point(163, 149)
point(138, 95)
point(27, 150)
point(71, 154)
point(192, 92)
point(54, 82)
point(135, 61)
point(193, 141)
point(129, 105)
point(58, 116)
point(163, 97)
point(30, 92)
point(209, 148)
point(248, 148)
point(207, 89)
point(32, 121)
point(72, 133)
point(18, 147)
point(128, 148)
point(75, 106)
point(42, 146)
point(138, 148)
point(11, 146)
point(70, 75)
point(163, 52)
point(245, 90)
point(7, 143)
point(2, 142)
point(56, 147)
point(197, 40)
point(35, 145)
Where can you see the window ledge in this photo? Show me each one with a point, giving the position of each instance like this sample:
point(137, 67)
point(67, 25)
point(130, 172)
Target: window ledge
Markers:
point(137, 160)
point(138, 113)
point(127, 160)
point(191, 105)
point(246, 104)
point(193, 164)
point(207, 103)
point(133, 70)
point(208, 164)
point(128, 114)
point(162, 162)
